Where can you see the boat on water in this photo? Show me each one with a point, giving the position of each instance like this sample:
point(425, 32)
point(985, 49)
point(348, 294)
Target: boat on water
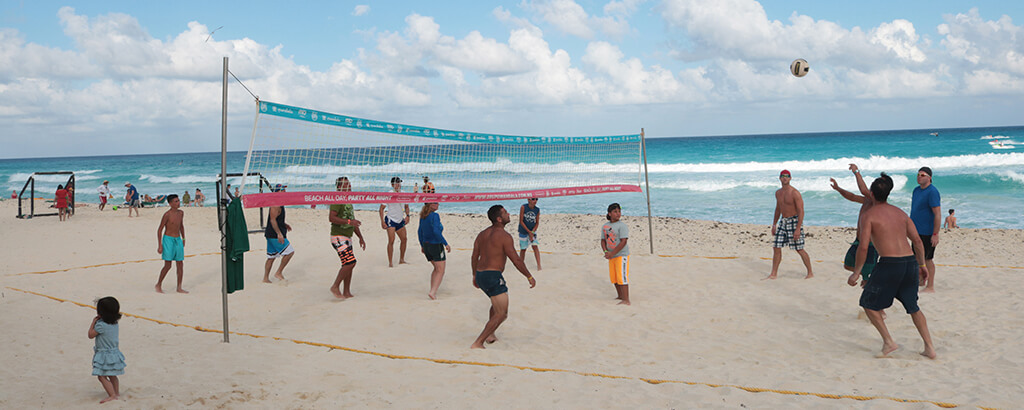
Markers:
point(934, 134)
point(996, 144)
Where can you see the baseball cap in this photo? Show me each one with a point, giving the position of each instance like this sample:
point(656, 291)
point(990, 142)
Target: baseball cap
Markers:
point(127, 184)
point(786, 173)
point(926, 170)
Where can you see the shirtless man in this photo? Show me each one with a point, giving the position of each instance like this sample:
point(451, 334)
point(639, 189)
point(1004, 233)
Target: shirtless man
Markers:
point(490, 249)
point(790, 205)
point(951, 220)
point(866, 201)
point(170, 236)
point(896, 275)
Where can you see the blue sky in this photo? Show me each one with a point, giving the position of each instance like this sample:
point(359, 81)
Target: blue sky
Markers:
point(124, 77)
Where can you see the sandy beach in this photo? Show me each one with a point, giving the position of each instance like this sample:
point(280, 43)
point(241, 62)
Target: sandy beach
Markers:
point(704, 330)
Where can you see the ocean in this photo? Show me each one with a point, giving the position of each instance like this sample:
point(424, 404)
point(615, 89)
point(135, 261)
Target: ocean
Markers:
point(723, 178)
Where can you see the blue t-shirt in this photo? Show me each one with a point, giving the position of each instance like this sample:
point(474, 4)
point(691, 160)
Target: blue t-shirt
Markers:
point(529, 218)
point(430, 230)
point(133, 192)
point(921, 209)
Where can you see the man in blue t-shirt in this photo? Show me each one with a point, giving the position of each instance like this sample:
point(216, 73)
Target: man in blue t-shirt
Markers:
point(529, 221)
point(927, 216)
point(132, 197)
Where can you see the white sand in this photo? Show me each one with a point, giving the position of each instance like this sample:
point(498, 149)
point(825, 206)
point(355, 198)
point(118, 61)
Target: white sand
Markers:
point(693, 319)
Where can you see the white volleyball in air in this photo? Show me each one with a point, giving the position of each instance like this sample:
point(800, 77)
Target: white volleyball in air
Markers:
point(799, 67)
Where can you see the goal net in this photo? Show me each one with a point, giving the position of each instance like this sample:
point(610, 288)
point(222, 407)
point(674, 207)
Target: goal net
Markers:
point(308, 150)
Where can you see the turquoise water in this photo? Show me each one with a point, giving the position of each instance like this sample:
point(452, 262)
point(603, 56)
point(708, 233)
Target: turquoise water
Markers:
point(729, 178)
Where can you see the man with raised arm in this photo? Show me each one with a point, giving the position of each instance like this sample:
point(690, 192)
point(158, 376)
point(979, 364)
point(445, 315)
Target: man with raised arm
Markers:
point(899, 270)
point(866, 201)
point(790, 205)
point(490, 250)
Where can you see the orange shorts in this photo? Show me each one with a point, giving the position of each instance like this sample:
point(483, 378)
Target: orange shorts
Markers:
point(618, 270)
point(343, 245)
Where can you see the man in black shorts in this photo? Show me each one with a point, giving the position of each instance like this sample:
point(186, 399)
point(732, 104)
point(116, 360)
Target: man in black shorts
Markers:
point(490, 250)
point(895, 275)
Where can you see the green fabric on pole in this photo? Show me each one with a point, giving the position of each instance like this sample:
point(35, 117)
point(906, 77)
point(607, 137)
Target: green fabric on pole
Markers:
point(237, 244)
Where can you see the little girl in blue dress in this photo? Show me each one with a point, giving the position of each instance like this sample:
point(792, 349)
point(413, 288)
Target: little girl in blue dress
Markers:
point(107, 361)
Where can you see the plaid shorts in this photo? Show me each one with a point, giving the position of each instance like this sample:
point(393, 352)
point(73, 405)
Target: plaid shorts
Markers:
point(784, 234)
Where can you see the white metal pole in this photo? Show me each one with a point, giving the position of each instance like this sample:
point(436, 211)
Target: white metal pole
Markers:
point(647, 181)
point(221, 207)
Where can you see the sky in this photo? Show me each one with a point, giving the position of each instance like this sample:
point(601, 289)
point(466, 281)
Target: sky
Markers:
point(130, 77)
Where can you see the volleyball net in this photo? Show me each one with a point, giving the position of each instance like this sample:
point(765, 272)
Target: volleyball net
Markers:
point(307, 151)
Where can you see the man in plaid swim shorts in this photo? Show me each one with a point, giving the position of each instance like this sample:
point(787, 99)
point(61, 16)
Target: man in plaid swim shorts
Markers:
point(788, 230)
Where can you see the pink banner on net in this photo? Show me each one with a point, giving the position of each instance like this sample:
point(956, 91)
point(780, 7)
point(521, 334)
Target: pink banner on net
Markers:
point(329, 198)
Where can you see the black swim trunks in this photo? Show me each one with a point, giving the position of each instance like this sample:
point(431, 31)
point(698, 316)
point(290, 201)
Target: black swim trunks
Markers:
point(929, 249)
point(434, 252)
point(893, 277)
point(491, 282)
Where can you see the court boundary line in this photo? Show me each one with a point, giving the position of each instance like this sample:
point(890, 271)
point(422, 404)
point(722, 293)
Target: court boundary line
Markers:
point(519, 367)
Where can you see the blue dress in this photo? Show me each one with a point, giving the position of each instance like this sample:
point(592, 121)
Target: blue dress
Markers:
point(107, 359)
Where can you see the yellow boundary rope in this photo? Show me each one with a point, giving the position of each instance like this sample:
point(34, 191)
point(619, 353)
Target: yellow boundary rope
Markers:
point(536, 369)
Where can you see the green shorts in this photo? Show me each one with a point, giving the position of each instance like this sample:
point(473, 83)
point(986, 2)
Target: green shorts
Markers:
point(869, 263)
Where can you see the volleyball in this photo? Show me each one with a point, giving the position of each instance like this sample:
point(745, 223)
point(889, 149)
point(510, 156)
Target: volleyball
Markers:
point(799, 67)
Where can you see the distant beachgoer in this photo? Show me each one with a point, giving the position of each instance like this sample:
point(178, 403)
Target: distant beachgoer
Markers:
point(428, 187)
point(394, 223)
point(951, 220)
point(529, 222)
point(132, 198)
point(867, 201)
point(186, 199)
point(343, 225)
point(71, 200)
point(14, 194)
point(789, 231)
point(104, 191)
point(492, 247)
point(433, 245)
point(199, 197)
point(170, 236)
point(278, 245)
point(900, 269)
point(107, 359)
point(238, 194)
point(615, 244)
point(61, 202)
point(229, 194)
point(926, 212)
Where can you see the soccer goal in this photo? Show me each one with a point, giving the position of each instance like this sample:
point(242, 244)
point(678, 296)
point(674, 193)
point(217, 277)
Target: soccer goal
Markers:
point(307, 150)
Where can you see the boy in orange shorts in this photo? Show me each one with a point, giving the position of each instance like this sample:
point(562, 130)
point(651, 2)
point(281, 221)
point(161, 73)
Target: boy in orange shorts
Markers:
point(614, 235)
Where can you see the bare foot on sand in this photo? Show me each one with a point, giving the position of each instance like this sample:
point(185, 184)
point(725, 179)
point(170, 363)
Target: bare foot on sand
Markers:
point(431, 296)
point(403, 262)
point(180, 290)
point(929, 353)
point(109, 398)
point(267, 281)
point(624, 302)
point(279, 276)
point(158, 289)
point(337, 294)
point(491, 339)
point(928, 290)
point(391, 265)
point(887, 349)
point(809, 275)
point(770, 277)
point(477, 346)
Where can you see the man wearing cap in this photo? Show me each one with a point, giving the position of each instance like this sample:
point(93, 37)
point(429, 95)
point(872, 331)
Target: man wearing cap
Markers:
point(132, 197)
point(926, 212)
point(788, 231)
point(278, 245)
point(104, 191)
point(394, 222)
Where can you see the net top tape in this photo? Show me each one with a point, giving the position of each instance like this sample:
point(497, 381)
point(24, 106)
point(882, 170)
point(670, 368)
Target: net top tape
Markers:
point(338, 120)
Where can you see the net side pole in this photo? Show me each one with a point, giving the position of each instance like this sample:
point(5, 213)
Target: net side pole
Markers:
point(221, 208)
point(248, 156)
point(647, 182)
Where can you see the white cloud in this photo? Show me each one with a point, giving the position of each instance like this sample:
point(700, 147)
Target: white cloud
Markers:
point(361, 10)
point(569, 17)
point(900, 38)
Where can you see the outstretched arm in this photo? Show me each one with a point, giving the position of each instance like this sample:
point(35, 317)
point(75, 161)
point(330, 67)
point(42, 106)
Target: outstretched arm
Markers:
point(850, 196)
point(512, 255)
